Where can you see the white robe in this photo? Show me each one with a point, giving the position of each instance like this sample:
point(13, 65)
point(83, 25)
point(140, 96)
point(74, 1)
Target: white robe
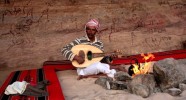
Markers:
point(97, 68)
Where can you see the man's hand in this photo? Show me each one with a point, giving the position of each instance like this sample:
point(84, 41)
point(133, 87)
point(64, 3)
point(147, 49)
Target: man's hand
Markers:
point(114, 56)
point(79, 59)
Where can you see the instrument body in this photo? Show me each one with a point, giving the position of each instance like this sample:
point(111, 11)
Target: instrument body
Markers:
point(91, 55)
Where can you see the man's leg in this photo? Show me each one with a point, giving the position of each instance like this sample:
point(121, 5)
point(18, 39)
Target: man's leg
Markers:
point(94, 69)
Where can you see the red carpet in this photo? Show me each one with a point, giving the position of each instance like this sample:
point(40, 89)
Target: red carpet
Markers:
point(31, 76)
point(49, 72)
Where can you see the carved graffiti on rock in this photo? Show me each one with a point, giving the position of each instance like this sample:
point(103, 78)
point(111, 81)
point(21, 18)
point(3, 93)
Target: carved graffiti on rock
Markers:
point(156, 42)
point(7, 1)
point(73, 2)
point(132, 16)
point(44, 13)
point(155, 23)
point(137, 7)
point(18, 35)
point(179, 10)
point(24, 25)
point(16, 11)
point(163, 2)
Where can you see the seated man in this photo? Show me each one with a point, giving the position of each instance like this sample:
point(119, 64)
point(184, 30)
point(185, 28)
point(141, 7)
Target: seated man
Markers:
point(91, 28)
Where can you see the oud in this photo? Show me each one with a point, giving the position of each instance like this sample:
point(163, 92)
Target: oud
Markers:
point(89, 53)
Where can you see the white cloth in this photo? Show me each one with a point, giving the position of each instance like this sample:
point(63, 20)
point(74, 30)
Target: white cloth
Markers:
point(16, 87)
point(97, 68)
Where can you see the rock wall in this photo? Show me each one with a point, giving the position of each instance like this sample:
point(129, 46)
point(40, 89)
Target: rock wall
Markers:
point(34, 31)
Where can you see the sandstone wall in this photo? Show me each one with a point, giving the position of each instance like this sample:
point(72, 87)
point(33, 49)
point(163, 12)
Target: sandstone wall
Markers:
point(34, 31)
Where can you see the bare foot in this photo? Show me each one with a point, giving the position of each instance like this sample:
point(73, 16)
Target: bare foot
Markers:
point(81, 77)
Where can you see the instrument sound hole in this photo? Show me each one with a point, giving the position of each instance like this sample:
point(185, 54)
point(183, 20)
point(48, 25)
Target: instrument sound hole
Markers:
point(89, 55)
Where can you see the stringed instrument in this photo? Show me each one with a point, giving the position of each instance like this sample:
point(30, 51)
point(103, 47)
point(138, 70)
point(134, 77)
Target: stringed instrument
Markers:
point(90, 54)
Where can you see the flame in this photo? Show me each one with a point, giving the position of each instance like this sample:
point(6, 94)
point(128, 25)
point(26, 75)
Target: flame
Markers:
point(136, 69)
point(143, 68)
point(149, 55)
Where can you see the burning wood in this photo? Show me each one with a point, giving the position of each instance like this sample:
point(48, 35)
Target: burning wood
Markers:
point(143, 68)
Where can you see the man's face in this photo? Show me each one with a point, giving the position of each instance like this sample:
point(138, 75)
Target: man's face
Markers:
point(91, 32)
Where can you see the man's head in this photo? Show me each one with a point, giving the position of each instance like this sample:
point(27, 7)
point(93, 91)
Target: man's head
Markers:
point(92, 28)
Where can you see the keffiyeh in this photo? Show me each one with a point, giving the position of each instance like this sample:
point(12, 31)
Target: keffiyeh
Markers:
point(93, 22)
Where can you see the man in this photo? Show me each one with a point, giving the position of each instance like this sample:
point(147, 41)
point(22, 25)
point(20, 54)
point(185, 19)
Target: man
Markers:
point(91, 28)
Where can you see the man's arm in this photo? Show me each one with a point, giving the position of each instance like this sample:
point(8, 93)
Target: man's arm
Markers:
point(99, 45)
point(66, 50)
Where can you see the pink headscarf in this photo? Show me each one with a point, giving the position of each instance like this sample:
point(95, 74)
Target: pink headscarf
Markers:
point(93, 22)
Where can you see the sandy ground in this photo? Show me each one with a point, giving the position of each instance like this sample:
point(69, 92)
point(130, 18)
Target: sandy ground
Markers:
point(86, 89)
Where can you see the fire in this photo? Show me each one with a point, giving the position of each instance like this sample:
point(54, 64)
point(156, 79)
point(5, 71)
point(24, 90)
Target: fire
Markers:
point(143, 68)
point(148, 57)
